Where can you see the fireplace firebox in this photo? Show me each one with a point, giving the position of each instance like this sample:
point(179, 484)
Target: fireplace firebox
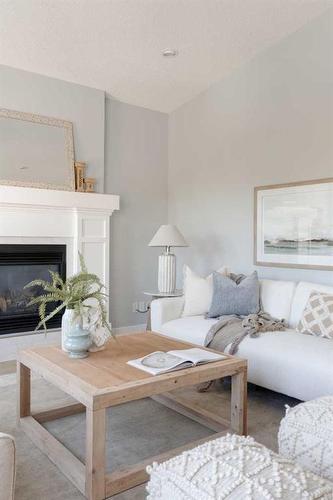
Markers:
point(20, 264)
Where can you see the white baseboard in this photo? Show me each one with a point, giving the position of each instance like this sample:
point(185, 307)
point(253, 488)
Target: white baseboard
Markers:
point(130, 329)
point(11, 344)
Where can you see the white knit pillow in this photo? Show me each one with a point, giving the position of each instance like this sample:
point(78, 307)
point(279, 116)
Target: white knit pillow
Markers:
point(198, 292)
point(234, 468)
point(306, 435)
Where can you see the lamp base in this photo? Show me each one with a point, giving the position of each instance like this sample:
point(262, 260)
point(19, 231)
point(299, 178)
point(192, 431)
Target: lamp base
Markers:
point(167, 273)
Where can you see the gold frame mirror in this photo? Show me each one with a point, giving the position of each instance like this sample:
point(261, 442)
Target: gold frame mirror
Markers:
point(36, 151)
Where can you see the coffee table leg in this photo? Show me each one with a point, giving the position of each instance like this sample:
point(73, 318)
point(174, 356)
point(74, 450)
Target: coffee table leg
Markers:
point(24, 391)
point(95, 454)
point(239, 402)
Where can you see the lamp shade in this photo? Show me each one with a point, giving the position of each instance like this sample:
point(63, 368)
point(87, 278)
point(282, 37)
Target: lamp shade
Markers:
point(168, 236)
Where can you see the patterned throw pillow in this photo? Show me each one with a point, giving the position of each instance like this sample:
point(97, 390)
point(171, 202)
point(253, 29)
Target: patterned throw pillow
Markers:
point(317, 318)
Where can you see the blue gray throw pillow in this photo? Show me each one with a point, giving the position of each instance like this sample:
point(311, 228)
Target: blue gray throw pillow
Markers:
point(232, 298)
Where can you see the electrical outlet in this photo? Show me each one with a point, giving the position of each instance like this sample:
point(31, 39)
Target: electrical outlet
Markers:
point(141, 306)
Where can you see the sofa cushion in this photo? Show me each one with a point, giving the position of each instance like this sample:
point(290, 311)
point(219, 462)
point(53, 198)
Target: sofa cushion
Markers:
point(191, 329)
point(276, 297)
point(229, 297)
point(289, 362)
point(301, 296)
point(284, 361)
point(234, 467)
point(198, 291)
point(317, 317)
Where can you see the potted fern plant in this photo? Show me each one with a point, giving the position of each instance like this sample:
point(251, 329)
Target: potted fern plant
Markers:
point(81, 296)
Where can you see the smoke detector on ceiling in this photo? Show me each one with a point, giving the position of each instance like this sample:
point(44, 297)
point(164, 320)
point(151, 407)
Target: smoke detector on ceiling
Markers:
point(170, 52)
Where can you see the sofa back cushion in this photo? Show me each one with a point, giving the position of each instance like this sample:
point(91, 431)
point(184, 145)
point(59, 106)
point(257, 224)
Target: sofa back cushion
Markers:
point(231, 297)
point(276, 297)
point(198, 291)
point(301, 297)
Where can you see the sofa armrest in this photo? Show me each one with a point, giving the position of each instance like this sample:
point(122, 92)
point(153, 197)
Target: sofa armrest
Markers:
point(7, 467)
point(163, 310)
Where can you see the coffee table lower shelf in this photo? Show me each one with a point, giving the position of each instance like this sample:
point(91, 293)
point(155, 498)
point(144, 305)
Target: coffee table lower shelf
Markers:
point(125, 477)
point(115, 482)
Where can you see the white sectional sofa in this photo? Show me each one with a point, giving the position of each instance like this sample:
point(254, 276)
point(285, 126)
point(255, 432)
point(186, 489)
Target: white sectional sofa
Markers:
point(288, 362)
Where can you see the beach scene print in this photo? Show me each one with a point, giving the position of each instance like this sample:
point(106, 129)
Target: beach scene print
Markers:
point(299, 223)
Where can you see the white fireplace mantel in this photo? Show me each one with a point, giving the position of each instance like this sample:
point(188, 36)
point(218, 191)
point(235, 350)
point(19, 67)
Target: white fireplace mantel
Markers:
point(78, 220)
point(48, 198)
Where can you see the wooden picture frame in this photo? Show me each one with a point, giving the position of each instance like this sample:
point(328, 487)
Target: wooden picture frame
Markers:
point(293, 225)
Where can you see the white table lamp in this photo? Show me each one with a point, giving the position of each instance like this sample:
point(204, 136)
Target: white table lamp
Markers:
point(167, 236)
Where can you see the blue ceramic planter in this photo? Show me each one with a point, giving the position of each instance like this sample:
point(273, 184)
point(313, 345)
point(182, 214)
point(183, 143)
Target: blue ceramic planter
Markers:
point(77, 342)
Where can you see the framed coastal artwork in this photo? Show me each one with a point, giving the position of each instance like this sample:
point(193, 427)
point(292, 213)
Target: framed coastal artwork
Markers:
point(293, 225)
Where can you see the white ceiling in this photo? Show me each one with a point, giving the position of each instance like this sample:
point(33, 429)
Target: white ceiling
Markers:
point(116, 45)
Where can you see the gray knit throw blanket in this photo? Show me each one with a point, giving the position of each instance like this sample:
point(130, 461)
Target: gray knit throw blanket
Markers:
point(231, 330)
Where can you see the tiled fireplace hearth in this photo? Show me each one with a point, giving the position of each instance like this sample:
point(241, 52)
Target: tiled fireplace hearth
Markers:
point(67, 222)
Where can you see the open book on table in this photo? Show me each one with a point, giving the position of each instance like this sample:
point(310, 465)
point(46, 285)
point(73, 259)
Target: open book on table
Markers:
point(163, 362)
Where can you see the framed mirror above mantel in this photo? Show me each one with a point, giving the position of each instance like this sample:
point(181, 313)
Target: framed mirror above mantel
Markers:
point(36, 151)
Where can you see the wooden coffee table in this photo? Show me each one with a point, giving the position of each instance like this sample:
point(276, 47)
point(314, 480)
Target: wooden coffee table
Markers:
point(104, 380)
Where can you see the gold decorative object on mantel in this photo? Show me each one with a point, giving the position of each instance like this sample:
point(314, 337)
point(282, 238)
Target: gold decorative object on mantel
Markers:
point(82, 183)
point(89, 184)
point(80, 167)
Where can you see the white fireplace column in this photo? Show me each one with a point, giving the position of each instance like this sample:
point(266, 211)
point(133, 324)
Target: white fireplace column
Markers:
point(92, 240)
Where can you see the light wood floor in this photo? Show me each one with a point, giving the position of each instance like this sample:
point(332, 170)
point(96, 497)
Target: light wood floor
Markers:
point(7, 367)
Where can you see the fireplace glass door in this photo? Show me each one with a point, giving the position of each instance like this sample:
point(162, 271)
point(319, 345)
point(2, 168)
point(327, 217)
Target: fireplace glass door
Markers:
point(20, 264)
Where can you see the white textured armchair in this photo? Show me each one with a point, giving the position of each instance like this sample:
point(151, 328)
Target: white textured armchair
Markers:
point(7, 467)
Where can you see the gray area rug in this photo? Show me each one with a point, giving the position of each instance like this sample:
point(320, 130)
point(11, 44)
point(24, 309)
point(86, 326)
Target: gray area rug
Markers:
point(136, 431)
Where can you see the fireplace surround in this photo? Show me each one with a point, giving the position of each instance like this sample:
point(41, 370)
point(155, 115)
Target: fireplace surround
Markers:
point(77, 222)
point(20, 264)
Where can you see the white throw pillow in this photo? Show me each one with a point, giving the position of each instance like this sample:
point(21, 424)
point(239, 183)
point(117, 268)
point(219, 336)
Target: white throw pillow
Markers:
point(198, 292)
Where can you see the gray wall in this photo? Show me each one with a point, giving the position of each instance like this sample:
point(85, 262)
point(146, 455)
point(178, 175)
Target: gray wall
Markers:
point(84, 106)
point(270, 122)
point(136, 164)
point(135, 144)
